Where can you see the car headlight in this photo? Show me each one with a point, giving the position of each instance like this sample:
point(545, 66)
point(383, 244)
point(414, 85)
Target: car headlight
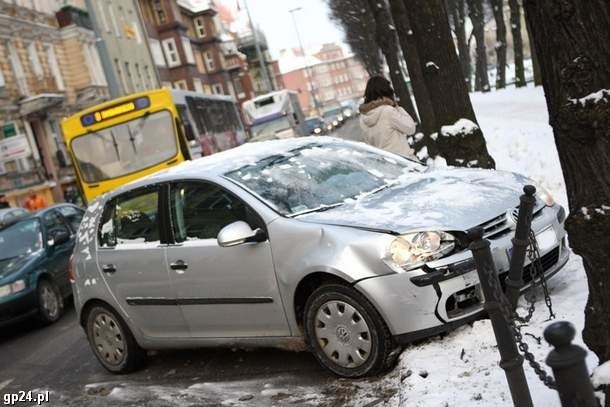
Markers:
point(545, 195)
point(415, 249)
point(340, 118)
point(335, 123)
point(13, 288)
point(317, 130)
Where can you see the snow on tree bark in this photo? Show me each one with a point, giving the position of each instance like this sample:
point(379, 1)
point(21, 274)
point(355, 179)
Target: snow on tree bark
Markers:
point(385, 35)
point(515, 25)
point(477, 17)
point(498, 11)
point(414, 66)
point(571, 39)
point(445, 84)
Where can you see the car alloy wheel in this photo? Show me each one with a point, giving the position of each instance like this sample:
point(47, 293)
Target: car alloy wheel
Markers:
point(108, 339)
point(50, 302)
point(343, 334)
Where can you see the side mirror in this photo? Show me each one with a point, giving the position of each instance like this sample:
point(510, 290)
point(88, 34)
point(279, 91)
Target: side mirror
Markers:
point(58, 238)
point(238, 233)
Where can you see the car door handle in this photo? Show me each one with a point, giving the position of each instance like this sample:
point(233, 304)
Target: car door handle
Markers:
point(109, 268)
point(179, 265)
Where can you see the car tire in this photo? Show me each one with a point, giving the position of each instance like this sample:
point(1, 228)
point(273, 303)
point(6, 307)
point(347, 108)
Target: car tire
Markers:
point(112, 342)
point(50, 302)
point(346, 333)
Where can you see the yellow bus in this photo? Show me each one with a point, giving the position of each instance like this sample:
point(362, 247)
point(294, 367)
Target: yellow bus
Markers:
point(127, 138)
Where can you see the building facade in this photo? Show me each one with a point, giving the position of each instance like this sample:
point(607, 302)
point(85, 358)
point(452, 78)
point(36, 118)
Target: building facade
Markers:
point(123, 47)
point(192, 49)
point(48, 71)
point(329, 75)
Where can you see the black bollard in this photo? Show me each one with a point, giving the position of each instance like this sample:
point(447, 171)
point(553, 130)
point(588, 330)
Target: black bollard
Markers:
point(514, 281)
point(511, 361)
point(569, 367)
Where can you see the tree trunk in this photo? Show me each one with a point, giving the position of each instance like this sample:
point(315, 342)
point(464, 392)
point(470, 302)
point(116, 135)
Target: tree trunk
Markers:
point(356, 25)
point(478, 27)
point(571, 38)
point(534, 56)
point(515, 25)
point(385, 34)
point(414, 66)
point(457, 13)
point(498, 10)
point(444, 81)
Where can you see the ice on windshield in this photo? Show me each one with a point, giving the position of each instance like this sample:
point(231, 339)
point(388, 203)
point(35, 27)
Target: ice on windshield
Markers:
point(319, 176)
point(126, 148)
point(21, 239)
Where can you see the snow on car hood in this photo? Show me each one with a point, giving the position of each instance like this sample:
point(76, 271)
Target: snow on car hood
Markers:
point(447, 199)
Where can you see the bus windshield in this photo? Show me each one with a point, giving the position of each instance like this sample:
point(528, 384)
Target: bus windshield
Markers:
point(126, 147)
point(270, 128)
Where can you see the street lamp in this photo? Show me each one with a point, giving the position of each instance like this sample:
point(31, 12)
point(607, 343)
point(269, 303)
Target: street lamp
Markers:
point(307, 68)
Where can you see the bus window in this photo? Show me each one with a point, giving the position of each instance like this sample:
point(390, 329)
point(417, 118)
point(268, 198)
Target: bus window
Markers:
point(125, 148)
point(188, 128)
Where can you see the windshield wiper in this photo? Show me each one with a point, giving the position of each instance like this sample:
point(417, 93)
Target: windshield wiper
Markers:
point(321, 208)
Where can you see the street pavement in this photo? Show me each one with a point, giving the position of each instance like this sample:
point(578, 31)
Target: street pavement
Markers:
point(57, 358)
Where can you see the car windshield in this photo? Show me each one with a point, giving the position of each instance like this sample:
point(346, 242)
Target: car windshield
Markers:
point(268, 129)
point(332, 113)
point(318, 176)
point(312, 123)
point(126, 147)
point(20, 239)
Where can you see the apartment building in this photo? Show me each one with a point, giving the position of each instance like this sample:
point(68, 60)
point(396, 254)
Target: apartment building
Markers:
point(334, 76)
point(123, 47)
point(48, 70)
point(193, 50)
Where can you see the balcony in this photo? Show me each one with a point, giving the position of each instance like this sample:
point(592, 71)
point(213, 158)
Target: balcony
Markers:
point(11, 181)
point(69, 15)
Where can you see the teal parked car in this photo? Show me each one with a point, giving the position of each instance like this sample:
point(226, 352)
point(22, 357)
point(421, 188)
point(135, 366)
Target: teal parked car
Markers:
point(34, 256)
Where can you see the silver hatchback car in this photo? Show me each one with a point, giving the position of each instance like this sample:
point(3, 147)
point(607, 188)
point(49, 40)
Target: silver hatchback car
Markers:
point(337, 245)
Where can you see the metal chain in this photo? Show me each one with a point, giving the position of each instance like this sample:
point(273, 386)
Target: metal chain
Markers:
point(533, 253)
point(510, 316)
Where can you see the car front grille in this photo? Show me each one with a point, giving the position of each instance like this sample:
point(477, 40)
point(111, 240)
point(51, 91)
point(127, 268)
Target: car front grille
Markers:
point(547, 261)
point(500, 226)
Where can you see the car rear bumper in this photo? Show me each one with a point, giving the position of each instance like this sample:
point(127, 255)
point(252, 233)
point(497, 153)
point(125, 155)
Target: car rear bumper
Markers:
point(18, 308)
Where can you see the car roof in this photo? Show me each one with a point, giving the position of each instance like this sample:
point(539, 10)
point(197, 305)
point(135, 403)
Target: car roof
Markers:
point(38, 214)
point(216, 165)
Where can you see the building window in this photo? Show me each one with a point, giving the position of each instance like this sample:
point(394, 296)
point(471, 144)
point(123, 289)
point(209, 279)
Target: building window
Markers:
point(2, 82)
point(160, 15)
point(151, 82)
point(217, 89)
point(119, 71)
point(129, 75)
point(139, 84)
point(200, 27)
point(114, 22)
point(197, 84)
point(100, 77)
point(166, 85)
point(239, 89)
point(209, 61)
point(35, 61)
point(22, 83)
point(180, 85)
point(102, 14)
point(188, 50)
point(157, 52)
point(171, 52)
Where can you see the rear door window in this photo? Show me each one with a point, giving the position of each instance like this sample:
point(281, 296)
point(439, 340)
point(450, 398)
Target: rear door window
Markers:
point(132, 218)
point(72, 215)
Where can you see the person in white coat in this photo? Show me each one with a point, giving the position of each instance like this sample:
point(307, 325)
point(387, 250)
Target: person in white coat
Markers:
point(385, 124)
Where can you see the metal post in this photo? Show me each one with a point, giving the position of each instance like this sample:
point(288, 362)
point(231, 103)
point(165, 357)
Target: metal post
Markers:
point(308, 70)
point(259, 53)
point(569, 367)
point(514, 281)
point(511, 361)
